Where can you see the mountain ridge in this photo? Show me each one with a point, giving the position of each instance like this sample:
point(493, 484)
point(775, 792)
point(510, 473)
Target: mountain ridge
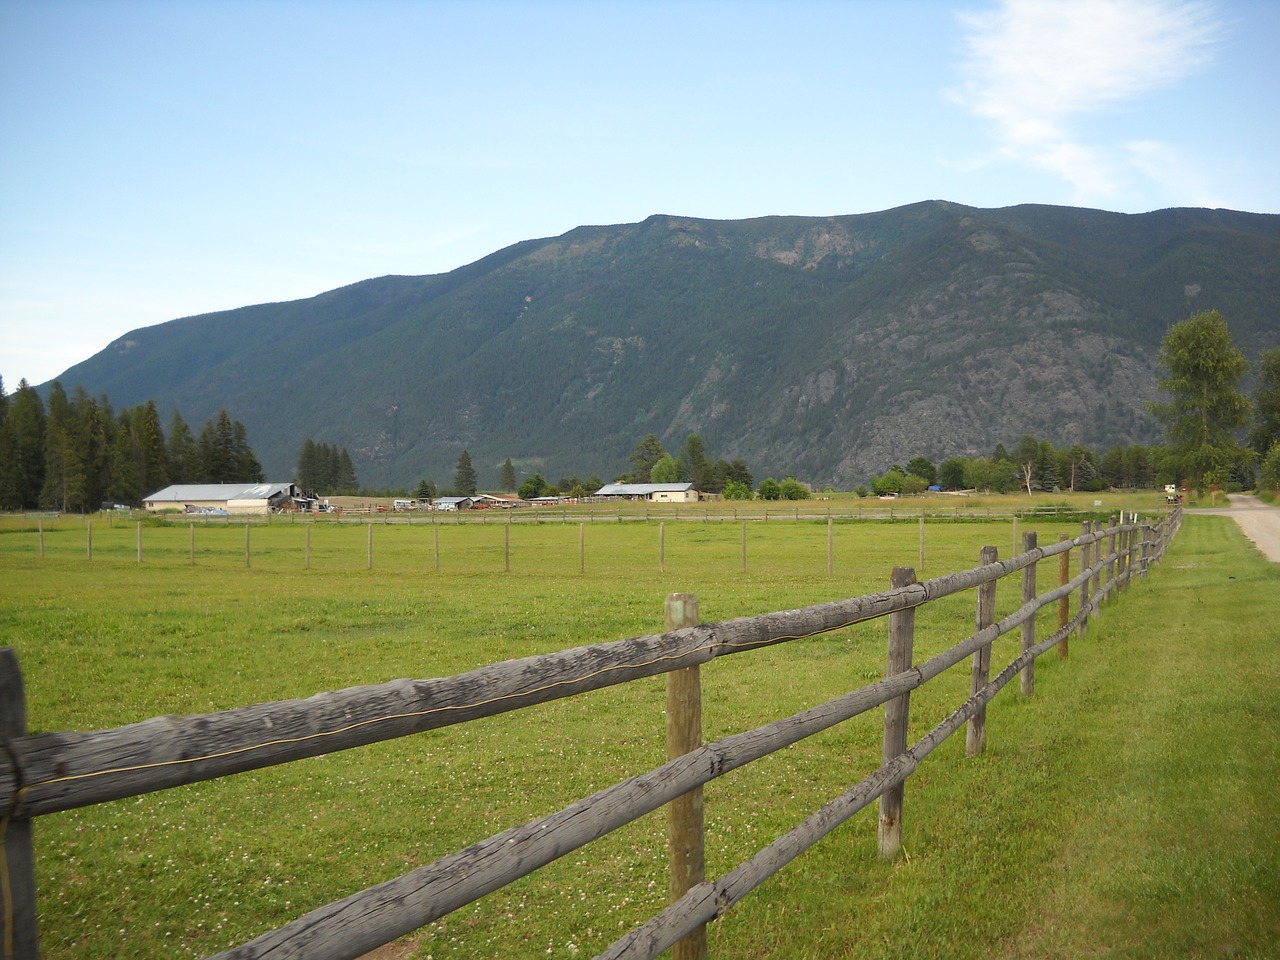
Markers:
point(826, 347)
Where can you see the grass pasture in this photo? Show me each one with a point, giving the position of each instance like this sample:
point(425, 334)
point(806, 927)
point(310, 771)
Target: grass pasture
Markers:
point(1127, 843)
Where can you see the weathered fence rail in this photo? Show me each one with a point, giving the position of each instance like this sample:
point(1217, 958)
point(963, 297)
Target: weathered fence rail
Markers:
point(50, 772)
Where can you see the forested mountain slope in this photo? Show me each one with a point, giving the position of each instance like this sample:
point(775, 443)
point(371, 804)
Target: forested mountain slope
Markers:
point(822, 347)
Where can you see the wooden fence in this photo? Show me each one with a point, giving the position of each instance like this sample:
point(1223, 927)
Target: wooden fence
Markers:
point(50, 772)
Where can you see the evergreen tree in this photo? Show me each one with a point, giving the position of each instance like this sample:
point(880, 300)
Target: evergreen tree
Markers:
point(425, 490)
point(644, 457)
point(308, 469)
point(153, 459)
point(247, 466)
point(1047, 467)
point(508, 477)
point(1205, 410)
point(739, 473)
point(345, 479)
point(55, 442)
point(464, 476)
point(10, 497)
point(218, 450)
point(182, 456)
point(25, 420)
point(126, 456)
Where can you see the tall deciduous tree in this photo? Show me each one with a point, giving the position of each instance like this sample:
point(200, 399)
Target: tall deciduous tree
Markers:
point(666, 470)
point(1205, 410)
point(1266, 405)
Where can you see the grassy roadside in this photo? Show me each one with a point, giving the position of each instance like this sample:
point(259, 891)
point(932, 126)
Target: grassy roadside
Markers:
point(1128, 810)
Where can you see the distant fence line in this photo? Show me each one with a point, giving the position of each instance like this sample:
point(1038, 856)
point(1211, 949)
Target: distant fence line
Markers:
point(506, 522)
point(904, 509)
point(46, 773)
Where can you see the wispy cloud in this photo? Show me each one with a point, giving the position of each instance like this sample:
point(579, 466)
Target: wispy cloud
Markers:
point(1033, 67)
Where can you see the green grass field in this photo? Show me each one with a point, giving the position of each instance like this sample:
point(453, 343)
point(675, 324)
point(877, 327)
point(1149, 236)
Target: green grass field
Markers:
point(1128, 810)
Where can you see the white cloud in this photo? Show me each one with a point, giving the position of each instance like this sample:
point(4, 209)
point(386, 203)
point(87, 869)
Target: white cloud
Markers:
point(1033, 66)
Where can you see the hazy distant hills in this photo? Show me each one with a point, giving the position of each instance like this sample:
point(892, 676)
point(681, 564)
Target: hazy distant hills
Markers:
point(823, 347)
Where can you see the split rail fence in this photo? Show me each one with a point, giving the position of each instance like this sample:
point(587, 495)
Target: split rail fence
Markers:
point(50, 772)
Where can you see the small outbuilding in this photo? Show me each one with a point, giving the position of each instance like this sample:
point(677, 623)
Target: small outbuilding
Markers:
point(453, 503)
point(653, 492)
point(243, 498)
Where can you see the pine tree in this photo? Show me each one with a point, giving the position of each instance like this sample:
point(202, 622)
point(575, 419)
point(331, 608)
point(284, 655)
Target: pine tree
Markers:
point(126, 457)
point(26, 422)
point(464, 476)
point(247, 466)
point(345, 478)
point(182, 456)
point(148, 434)
point(308, 471)
point(508, 476)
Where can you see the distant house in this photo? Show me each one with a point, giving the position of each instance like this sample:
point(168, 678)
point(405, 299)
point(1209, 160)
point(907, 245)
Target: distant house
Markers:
point(653, 492)
point(245, 498)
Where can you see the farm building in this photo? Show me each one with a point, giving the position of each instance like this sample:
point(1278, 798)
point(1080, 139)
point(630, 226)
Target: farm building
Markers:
point(232, 497)
point(453, 503)
point(654, 492)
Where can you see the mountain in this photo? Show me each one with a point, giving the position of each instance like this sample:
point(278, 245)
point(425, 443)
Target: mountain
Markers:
point(824, 347)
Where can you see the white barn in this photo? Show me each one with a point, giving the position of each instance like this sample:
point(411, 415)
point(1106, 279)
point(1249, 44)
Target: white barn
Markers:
point(653, 492)
point(244, 498)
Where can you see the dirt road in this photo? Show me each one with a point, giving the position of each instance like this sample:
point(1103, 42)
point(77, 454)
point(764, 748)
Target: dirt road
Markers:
point(1260, 522)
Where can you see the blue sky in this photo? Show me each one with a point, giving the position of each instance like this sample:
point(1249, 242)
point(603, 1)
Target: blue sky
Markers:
point(166, 158)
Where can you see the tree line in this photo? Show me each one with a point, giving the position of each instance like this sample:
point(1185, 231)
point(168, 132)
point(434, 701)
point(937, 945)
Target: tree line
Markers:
point(325, 470)
point(76, 453)
point(1215, 434)
point(650, 463)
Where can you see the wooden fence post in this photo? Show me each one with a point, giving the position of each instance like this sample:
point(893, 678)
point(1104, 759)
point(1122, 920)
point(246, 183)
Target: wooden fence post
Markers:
point(1094, 528)
point(1135, 550)
point(975, 738)
point(1111, 552)
point(1029, 625)
point(744, 546)
point(246, 546)
point(582, 548)
point(1064, 602)
point(662, 546)
point(370, 544)
point(1122, 556)
point(1086, 561)
point(831, 554)
point(902, 627)
point(685, 813)
point(308, 547)
point(18, 931)
point(192, 542)
point(139, 541)
point(40, 528)
point(506, 545)
point(88, 534)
